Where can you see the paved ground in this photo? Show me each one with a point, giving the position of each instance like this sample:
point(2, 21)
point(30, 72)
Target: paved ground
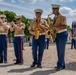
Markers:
point(49, 62)
point(10, 69)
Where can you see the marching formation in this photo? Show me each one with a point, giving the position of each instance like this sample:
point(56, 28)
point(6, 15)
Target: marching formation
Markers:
point(41, 31)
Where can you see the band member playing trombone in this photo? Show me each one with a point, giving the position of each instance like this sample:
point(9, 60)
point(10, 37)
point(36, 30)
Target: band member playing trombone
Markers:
point(18, 29)
point(59, 24)
point(37, 29)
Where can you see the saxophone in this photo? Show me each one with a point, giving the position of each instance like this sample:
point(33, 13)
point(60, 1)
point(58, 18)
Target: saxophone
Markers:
point(50, 32)
point(38, 30)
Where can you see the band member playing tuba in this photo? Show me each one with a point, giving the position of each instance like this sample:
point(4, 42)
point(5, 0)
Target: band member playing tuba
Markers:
point(37, 29)
point(59, 24)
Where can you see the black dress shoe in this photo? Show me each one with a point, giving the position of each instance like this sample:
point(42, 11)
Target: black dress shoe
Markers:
point(16, 63)
point(1, 61)
point(58, 69)
point(39, 66)
point(33, 65)
point(5, 62)
point(21, 63)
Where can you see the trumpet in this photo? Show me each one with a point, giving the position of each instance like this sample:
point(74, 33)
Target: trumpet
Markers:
point(50, 32)
point(38, 30)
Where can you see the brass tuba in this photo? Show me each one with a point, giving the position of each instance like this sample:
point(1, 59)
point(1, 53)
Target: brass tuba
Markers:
point(50, 32)
point(37, 30)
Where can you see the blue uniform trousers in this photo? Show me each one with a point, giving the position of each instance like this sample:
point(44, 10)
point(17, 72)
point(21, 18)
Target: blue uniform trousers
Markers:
point(18, 49)
point(3, 48)
point(47, 43)
point(73, 44)
point(61, 39)
point(38, 46)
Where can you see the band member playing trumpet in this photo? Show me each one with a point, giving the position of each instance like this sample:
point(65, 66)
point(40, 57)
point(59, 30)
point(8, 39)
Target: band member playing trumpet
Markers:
point(59, 24)
point(18, 29)
point(3, 39)
point(37, 29)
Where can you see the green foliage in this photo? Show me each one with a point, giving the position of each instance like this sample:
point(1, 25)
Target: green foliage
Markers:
point(1, 12)
point(69, 28)
point(10, 16)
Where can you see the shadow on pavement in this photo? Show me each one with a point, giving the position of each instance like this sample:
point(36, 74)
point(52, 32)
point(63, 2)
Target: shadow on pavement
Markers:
point(21, 70)
point(45, 72)
point(71, 66)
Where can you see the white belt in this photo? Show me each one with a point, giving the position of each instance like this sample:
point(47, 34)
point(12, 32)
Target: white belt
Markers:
point(62, 30)
point(3, 33)
point(42, 33)
point(18, 35)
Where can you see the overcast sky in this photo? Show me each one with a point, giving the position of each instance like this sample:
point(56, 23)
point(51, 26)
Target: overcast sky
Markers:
point(27, 7)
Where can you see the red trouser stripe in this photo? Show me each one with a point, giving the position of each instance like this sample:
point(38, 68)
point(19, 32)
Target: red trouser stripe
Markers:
point(21, 54)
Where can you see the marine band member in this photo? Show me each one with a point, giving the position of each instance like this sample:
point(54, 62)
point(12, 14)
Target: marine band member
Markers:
point(18, 29)
point(61, 36)
point(39, 43)
point(3, 38)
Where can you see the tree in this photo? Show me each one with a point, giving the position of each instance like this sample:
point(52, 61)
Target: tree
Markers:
point(10, 16)
point(1, 12)
point(69, 28)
